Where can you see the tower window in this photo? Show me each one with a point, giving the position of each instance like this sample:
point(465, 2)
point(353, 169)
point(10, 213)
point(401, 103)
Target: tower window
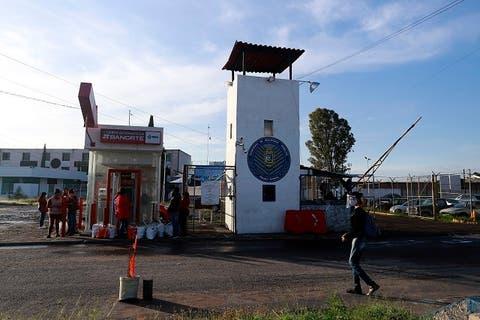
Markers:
point(268, 128)
point(231, 131)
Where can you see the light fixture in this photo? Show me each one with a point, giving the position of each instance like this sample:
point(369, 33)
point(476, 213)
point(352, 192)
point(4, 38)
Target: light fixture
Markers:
point(313, 84)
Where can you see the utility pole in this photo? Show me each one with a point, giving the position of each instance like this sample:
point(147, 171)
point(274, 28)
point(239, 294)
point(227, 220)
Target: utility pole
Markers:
point(208, 143)
point(129, 116)
point(434, 196)
point(470, 188)
point(368, 167)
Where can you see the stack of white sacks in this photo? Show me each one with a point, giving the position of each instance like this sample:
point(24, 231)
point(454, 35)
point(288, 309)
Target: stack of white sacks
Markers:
point(150, 231)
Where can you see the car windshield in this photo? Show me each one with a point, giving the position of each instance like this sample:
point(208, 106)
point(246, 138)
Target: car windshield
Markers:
point(427, 202)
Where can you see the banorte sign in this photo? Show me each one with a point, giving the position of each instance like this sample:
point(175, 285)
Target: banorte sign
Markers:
point(130, 136)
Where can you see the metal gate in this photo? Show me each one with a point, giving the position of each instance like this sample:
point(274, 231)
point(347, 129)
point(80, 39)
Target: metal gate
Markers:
point(212, 198)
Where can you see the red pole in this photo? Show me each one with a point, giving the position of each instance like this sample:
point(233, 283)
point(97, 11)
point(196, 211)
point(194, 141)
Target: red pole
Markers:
point(80, 213)
point(93, 214)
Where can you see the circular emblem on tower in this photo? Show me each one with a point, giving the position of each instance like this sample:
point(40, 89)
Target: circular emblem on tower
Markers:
point(268, 159)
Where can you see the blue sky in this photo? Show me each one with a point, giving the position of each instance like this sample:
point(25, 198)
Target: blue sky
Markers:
point(165, 58)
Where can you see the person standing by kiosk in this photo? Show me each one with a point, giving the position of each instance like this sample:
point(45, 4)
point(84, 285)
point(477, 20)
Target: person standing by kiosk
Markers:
point(174, 211)
point(122, 212)
point(184, 212)
point(42, 207)
point(72, 212)
point(55, 211)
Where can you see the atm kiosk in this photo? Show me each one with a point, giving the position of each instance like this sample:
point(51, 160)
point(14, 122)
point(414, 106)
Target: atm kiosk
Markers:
point(128, 157)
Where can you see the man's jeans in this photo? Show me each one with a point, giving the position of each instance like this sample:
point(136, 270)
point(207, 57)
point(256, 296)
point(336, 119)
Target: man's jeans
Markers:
point(72, 223)
point(175, 216)
point(122, 228)
point(42, 218)
point(358, 244)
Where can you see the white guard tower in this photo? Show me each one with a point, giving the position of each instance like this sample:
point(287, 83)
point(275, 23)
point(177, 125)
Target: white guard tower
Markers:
point(263, 139)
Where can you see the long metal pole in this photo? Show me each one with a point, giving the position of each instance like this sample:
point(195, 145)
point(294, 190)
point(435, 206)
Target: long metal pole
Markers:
point(382, 158)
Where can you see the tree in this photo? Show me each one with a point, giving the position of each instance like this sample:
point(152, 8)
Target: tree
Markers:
point(331, 142)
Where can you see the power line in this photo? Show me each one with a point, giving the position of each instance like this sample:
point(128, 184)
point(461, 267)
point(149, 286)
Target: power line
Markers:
point(38, 100)
point(53, 96)
point(390, 36)
point(98, 93)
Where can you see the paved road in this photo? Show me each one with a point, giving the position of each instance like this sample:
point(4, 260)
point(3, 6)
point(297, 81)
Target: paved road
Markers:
point(423, 273)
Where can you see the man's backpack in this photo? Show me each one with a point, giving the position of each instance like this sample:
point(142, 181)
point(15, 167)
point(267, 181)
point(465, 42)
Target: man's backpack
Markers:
point(371, 229)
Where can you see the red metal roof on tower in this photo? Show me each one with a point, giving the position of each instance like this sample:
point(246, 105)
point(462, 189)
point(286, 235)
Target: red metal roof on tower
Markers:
point(251, 57)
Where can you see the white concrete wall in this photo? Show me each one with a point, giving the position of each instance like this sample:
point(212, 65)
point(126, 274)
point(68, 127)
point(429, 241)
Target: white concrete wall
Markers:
point(251, 100)
point(231, 151)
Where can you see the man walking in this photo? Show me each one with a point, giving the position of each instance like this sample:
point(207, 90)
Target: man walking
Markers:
point(358, 237)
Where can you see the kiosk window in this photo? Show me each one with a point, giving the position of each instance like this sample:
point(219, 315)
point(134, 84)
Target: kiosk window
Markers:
point(26, 156)
point(268, 128)
point(65, 156)
point(6, 156)
point(268, 193)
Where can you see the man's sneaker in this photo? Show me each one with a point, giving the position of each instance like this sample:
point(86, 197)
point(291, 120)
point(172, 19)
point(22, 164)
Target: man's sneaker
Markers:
point(49, 236)
point(372, 289)
point(355, 291)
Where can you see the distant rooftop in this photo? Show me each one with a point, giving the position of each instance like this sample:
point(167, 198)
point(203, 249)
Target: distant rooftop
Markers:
point(249, 57)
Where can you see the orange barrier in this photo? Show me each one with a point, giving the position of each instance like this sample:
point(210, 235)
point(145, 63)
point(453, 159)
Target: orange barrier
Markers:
point(305, 221)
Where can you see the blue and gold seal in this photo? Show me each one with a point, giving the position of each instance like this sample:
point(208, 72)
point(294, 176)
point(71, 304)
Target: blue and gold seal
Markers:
point(269, 159)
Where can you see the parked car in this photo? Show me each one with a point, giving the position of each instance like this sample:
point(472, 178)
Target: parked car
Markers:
point(452, 202)
point(466, 197)
point(462, 208)
point(425, 207)
point(403, 208)
point(388, 200)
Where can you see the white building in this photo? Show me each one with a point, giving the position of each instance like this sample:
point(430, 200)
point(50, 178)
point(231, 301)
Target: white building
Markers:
point(61, 168)
point(33, 171)
point(263, 139)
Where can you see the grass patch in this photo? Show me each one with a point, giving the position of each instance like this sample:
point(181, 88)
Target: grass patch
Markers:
point(335, 309)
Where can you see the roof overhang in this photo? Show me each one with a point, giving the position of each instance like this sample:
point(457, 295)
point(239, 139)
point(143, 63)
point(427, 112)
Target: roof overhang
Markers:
point(249, 57)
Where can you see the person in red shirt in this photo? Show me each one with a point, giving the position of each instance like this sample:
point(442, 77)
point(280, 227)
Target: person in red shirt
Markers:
point(184, 212)
point(55, 208)
point(122, 212)
point(42, 207)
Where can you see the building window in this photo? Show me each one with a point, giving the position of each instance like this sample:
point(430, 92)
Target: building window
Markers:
point(231, 131)
point(6, 156)
point(268, 128)
point(268, 193)
point(65, 156)
point(47, 156)
point(84, 156)
point(26, 156)
point(65, 168)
